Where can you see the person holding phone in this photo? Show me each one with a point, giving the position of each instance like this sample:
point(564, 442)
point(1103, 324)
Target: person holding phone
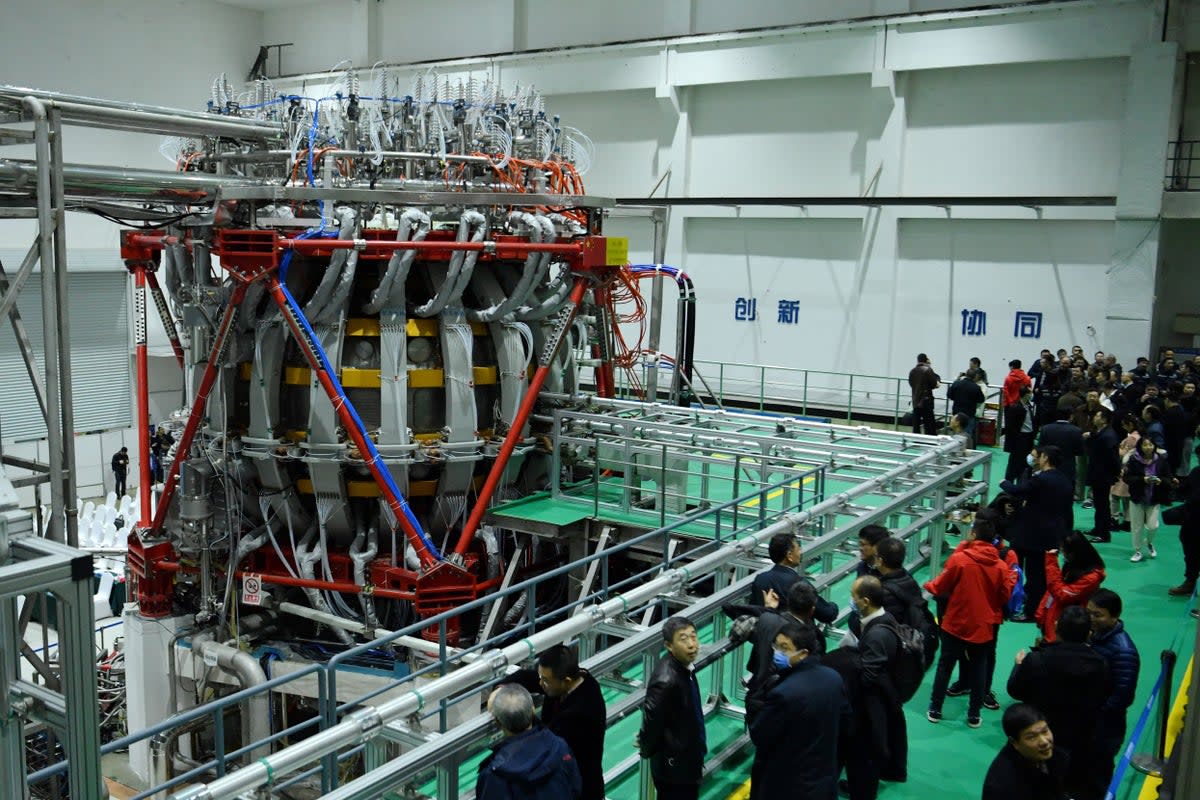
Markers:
point(1147, 473)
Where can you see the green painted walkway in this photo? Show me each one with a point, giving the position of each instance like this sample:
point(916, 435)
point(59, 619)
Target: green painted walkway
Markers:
point(947, 760)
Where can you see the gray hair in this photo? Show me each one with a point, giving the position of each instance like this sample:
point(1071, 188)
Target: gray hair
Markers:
point(512, 708)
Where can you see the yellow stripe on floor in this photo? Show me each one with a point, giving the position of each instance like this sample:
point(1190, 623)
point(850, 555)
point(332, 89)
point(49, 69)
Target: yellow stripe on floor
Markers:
point(741, 793)
point(1174, 728)
point(777, 492)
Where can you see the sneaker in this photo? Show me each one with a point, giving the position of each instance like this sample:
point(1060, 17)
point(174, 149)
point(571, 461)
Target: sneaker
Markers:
point(974, 722)
point(1088, 503)
point(1136, 557)
point(1184, 589)
point(1153, 552)
point(933, 716)
point(1098, 539)
point(956, 690)
point(990, 702)
point(1195, 612)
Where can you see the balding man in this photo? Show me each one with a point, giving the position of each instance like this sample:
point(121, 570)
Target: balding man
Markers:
point(883, 752)
point(530, 762)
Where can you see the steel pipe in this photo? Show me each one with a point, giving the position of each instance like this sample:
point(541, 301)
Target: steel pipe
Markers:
point(312, 245)
point(365, 723)
point(257, 717)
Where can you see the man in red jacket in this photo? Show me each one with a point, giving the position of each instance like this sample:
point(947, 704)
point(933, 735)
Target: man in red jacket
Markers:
point(975, 584)
point(1016, 378)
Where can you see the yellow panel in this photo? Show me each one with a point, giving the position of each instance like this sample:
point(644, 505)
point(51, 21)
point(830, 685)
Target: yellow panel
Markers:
point(362, 489)
point(428, 327)
point(421, 327)
point(426, 378)
point(304, 486)
point(616, 251)
point(486, 375)
point(297, 436)
point(362, 327)
point(427, 437)
point(422, 488)
point(360, 378)
point(244, 370)
point(296, 376)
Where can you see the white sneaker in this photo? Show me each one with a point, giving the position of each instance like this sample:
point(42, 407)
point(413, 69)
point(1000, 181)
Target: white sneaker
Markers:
point(1136, 557)
point(1153, 552)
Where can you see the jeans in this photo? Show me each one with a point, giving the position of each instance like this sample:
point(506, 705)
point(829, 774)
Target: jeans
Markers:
point(964, 667)
point(923, 418)
point(975, 656)
point(120, 487)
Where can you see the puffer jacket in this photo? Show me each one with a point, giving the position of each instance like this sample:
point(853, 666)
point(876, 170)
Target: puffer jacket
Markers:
point(1124, 663)
point(1135, 479)
point(977, 584)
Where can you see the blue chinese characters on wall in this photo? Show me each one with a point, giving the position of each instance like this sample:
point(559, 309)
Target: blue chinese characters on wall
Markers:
point(1028, 325)
point(745, 309)
point(789, 312)
point(974, 322)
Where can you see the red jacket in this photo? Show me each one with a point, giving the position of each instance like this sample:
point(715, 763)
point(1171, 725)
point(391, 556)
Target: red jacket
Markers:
point(1060, 594)
point(977, 584)
point(1013, 382)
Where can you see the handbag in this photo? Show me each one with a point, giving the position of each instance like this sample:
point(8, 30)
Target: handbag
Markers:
point(908, 419)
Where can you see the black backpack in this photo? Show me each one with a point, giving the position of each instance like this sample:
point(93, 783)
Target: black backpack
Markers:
point(921, 619)
point(909, 667)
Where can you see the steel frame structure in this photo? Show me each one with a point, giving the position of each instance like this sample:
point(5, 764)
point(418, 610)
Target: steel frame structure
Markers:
point(71, 710)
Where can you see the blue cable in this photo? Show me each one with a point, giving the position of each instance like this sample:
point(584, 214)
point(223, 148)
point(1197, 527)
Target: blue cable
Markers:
point(341, 392)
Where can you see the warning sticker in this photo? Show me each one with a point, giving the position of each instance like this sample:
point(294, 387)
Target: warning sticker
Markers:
point(252, 590)
point(616, 251)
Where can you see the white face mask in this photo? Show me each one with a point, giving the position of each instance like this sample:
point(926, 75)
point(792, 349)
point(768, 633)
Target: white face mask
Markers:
point(1029, 459)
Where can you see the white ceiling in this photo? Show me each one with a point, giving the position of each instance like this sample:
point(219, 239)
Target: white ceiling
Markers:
point(268, 5)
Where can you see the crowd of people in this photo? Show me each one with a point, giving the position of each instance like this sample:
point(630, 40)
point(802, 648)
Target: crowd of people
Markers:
point(1076, 431)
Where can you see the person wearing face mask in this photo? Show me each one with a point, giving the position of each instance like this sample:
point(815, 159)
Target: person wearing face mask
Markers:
point(808, 697)
point(1042, 522)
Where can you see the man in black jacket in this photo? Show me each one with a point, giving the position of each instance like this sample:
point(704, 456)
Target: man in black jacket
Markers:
point(923, 380)
point(1069, 682)
point(884, 750)
point(784, 551)
point(1067, 437)
point(1103, 469)
point(807, 697)
point(573, 710)
point(965, 398)
point(1112, 643)
point(1042, 522)
point(530, 762)
point(1018, 432)
point(672, 734)
point(1029, 767)
point(120, 468)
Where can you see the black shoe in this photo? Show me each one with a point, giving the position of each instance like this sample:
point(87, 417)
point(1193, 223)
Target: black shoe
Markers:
point(894, 778)
point(1099, 539)
point(956, 690)
point(990, 702)
point(1123, 526)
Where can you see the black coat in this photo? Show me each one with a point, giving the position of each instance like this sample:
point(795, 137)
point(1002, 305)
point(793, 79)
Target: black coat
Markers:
point(965, 397)
point(900, 594)
point(1013, 777)
point(1135, 479)
point(580, 719)
point(808, 698)
point(533, 765)
point(1124, 664)
point(1047, 515)
point(1104, 458)
point(1014, 419)
point(672, 736)
point(1066, 437)
point(1069, 682)
point(781, 579)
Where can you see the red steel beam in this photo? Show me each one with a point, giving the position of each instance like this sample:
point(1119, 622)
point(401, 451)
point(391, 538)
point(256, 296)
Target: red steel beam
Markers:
point(514, 432)
point(199, 403)
point(372, 245)
point(287, 580)
point(145, 487)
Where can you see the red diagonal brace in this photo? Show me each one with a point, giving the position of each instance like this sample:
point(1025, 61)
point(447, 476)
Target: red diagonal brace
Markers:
point(220, 341)
point(340, 407)
point(514, 432)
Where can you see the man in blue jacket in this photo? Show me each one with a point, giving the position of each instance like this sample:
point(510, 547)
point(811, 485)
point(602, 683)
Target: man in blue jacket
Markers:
point(1111, 642)
point(530, 762)
point(809, 699)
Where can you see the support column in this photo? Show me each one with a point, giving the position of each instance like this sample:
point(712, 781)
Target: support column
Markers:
point(142, 382)
point(1147, 129)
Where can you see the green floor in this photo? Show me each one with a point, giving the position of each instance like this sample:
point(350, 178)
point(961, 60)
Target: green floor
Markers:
point(947, 760)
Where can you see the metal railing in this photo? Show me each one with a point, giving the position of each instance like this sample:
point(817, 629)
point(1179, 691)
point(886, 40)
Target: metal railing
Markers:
point(830, 395)
point(1182, 169)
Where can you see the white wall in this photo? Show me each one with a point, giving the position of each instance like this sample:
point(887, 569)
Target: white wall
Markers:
point(163, 52)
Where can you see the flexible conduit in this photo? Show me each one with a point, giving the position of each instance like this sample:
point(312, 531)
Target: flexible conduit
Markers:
point(375, 462)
